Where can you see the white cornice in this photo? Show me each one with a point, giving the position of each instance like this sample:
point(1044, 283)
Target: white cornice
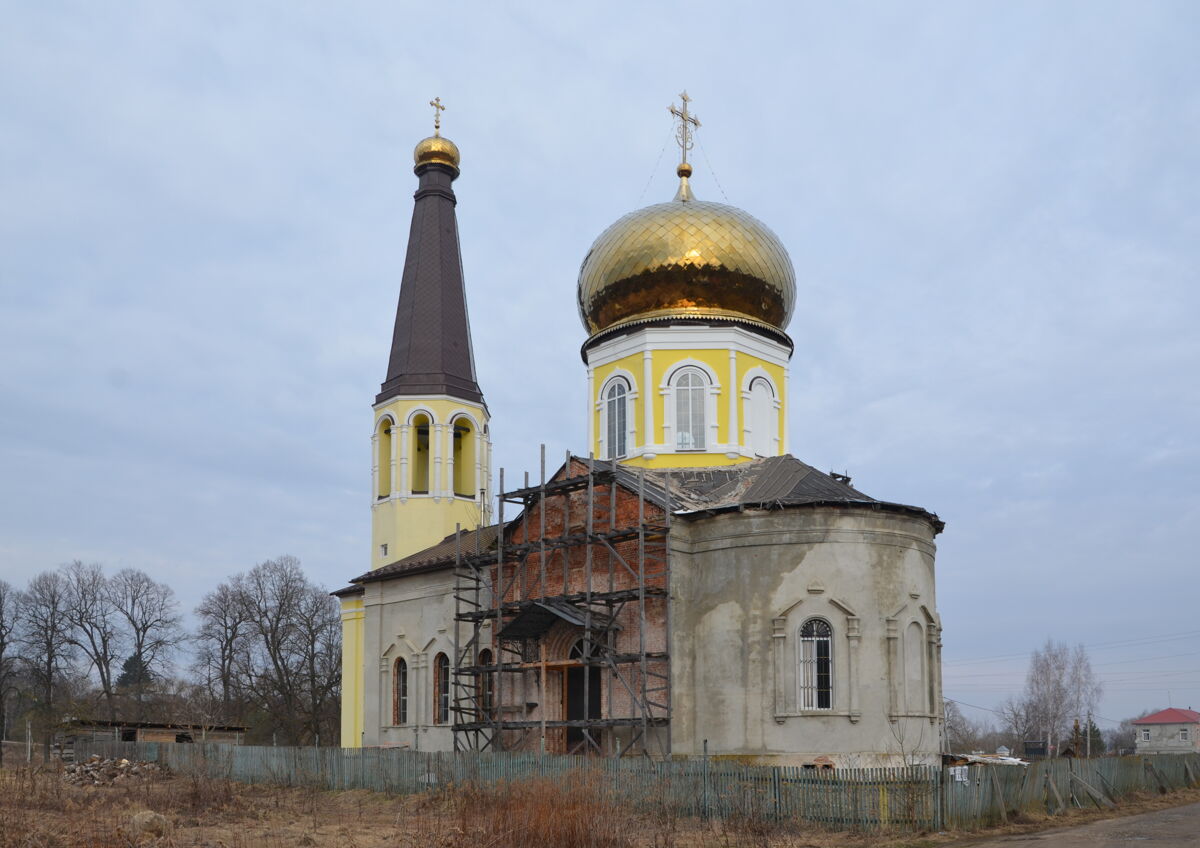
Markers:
point(688, 338)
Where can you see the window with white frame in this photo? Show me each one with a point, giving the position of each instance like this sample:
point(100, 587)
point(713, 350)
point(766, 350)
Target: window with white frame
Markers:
point(816, 665)
point(616, 415)
point(690, 387)
point(1183, 734)
point(1145, 734)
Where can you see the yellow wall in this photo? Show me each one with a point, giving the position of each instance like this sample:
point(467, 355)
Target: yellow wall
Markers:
point(352, 672)
point(662, 363)
point(407, 524)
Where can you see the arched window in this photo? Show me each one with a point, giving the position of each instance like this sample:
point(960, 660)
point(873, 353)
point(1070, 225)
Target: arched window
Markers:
point(383, 459)
point(616, 419)
point(464, 458)
point(487, 685)
point(421, 456)
point(441, 689)
point(761, 418)
point(400, 692)
point(914, 669)
point(690, 387)
point(816, 665)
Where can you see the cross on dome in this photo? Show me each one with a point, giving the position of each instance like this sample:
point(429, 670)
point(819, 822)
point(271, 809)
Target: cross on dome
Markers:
point(438, 109)
point(688, 123)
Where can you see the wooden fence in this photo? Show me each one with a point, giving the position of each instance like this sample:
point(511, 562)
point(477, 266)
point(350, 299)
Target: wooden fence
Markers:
point(917, 798)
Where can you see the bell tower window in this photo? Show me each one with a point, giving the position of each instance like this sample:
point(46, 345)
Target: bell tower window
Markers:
point(690, 387)
point(421, 456)
point(383, 459)
point(464, 458)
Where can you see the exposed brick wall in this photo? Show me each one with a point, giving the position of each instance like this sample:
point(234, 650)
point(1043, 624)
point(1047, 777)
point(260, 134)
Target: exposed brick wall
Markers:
point(571, 571)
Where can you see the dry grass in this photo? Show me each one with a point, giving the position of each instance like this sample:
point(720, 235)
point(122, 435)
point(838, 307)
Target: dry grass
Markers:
point(39, 810)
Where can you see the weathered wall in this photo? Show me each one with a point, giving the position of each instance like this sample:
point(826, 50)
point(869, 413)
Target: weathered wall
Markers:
point(744, 583)
point(1164, 739)
point(412, 618)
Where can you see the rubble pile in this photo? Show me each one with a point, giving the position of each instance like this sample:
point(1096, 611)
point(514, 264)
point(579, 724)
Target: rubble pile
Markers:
point(98, 772)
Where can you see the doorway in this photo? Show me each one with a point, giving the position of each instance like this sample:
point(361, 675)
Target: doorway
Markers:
point(582, 702)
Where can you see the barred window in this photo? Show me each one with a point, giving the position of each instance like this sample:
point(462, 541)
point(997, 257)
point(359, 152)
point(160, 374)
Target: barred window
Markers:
point(816, 665)
point(400, 692)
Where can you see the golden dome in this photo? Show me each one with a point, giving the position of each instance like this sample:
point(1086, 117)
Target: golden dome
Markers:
point(436, 150)
point(686, 259)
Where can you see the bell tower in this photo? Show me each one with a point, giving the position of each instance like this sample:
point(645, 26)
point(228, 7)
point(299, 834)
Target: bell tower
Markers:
point(430, 444)
point(431, 448)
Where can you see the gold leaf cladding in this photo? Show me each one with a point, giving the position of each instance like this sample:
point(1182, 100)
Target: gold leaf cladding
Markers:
point(692, 259)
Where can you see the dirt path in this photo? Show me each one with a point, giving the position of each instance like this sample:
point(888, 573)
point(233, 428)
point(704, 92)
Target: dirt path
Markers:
point(1176, 827)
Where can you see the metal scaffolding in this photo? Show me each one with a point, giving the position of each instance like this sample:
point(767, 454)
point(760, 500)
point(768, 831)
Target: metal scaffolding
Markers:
point(562, 633)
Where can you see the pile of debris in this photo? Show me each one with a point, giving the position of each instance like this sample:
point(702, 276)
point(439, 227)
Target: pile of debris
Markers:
point(98, 772)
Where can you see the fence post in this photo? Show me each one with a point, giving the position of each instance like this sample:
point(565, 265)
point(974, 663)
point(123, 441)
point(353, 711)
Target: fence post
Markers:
point(704, 784)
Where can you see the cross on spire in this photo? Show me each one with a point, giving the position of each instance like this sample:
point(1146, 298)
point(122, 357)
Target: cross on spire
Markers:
point(438, 108)
point(688, 123)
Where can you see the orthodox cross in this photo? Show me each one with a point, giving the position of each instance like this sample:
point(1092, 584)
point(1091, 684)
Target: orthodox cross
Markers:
point(438, 108)
point(687, 124)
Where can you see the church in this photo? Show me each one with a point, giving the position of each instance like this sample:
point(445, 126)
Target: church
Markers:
point(682, 586)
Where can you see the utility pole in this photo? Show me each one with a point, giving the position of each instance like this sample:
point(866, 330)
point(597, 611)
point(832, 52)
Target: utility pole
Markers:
point(1088, 731)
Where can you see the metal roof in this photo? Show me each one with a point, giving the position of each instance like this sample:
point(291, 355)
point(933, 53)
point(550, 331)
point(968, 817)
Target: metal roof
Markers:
point(431, 341)
point(441, 555)
point(1174, 715)
point(537, 617)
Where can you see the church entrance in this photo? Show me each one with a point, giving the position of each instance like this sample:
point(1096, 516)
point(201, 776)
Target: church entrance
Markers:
point(582, 701)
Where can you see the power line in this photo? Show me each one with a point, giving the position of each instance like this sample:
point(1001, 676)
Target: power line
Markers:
point(1150, 640)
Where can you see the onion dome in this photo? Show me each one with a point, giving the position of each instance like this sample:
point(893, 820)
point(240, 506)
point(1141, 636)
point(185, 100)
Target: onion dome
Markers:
point(686, 259)
point(436, 150)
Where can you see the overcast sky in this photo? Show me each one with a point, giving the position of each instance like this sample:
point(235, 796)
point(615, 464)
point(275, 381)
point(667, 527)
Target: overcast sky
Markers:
point(992, 209)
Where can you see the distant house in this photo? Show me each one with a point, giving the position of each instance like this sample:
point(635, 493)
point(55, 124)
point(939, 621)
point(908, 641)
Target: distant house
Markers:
point(148, 731)
point(1172, 731)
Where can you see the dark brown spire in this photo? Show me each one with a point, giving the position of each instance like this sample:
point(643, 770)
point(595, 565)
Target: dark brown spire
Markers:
point(431, 343)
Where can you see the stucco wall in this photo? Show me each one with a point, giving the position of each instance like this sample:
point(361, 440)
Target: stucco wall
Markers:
point(744, 583)
point(412, 618)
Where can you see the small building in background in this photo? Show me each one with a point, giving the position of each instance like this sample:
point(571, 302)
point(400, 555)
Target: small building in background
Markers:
point(1171, 731)
point(94, 730)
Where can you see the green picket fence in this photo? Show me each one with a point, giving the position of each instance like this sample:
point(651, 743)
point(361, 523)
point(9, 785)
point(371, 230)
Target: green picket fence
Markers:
point(917, 798)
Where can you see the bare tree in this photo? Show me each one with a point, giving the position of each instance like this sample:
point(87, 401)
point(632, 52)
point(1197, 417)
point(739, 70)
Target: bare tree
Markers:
point(1059, 686)
point(320, 637)
point(8, 660)
point(290, 665)
point(95, 623)
point(224, 628)
point(151, 615)
point(965, 735)
point(1017, 723)
point(45, 638)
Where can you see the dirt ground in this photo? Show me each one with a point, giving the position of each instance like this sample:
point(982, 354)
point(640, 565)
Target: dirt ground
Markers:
point(39, 810)
point(1175, 827)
